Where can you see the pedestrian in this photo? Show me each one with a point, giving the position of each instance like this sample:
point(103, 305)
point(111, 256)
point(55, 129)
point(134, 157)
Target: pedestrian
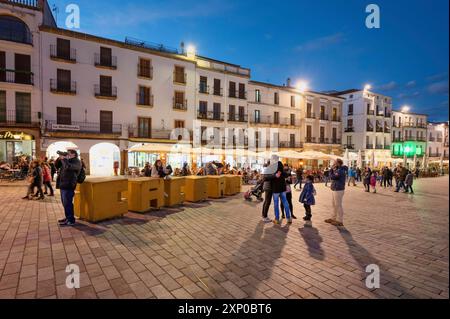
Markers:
point(35, 180)
point(47, 178)
point(401, 177)
point(68, 176)
point(307, 197)
point(158, 170)
point(185, 170)
point(352, 176)
point(373, 181)
point(267, 176)
point(337, 175)
point(288, 172)
point(299, 177)
point(390, 176)
point(409, 182)
point(51, 163)
point(366, 179)
point(326, 174)
point(385, 175)
point(358, 174)
point(279, 190)
point(147, 170)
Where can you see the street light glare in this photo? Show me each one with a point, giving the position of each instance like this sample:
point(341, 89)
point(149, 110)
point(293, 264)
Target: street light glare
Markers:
point(191, 50)
point(367, 87)
point(302, 86)
point(405, 108)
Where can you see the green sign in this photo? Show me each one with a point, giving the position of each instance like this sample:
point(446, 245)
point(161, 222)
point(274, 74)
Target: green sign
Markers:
point(407, 148)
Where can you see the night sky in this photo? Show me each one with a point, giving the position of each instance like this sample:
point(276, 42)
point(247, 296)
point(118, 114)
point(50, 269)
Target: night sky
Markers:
point(324, 42)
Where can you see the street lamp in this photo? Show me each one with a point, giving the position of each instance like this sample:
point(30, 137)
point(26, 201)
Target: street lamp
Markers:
point(367, 87)
point(405, 109)
point(302, 86)
point(191, 51)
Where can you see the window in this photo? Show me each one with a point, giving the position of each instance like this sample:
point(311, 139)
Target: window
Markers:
point(231, 112)
point(63, 49)
point(144, 127)
point(180, 102)
point(276, 98)
point(179, 124)
point(276, 117)
point(350, 109)
point(335, 117)
point(105, 85)
point(258, 96)
point(217, 88)
point(292, 119)
point(232, 89)
point(322, 112)
point(334, 134)
point(106, 120)
point(22, 68)
point(105, 56)
point(64, 80)
point(203, 84)
point(308, 133)
point(203, 108)
point(242, 93)
point(145, 68)
point(350, 123)
point(64, 115)
point(309, 110)
point(14, 29)
point(322, 133)
point(2, 106)
point(145, 96)
point(292, 140)
point(241, 114)
point(349, 140)
point(2, 66)
point(217, 111)
point(179, 75)
point(257, 116)
point(292, 101)
point(23, 107)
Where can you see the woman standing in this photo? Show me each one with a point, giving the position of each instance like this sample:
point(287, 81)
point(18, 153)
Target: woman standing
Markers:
point(47, 177)
point(158, 170)
point(279, 191)
point(366, 179)
point(288, 172)
point(35, 180)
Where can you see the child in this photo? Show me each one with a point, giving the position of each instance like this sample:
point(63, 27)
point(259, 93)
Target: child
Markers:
point(307, 197)
point(373, 181)
point(409, 182)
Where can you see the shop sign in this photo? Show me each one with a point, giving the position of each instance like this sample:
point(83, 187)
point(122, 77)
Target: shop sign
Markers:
point(19, 136)
point(61, 127)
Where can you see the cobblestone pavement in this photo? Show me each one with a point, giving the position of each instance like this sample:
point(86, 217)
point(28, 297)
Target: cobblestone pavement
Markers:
point(221, 249)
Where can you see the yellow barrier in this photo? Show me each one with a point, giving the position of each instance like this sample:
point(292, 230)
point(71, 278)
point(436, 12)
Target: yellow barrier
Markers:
point(101, 198)
point(174, 191)
point(145, 193)
point(216, 186)
point(196, 188)
point(232, 184)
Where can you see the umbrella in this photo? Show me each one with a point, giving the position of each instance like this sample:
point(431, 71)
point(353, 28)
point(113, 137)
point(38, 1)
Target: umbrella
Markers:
point(372, 160)
point(290, 154)
point(346, 157)
point(414, 161)
point(359, 159)
point(424, 161)
point(314, 155)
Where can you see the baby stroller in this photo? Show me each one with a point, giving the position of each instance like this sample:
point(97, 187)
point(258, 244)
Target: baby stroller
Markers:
point(256, 191)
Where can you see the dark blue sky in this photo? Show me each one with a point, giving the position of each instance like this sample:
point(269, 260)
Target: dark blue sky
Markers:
point(323, 41)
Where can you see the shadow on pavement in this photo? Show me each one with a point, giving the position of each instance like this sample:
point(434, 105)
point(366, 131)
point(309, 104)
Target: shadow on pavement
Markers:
point(313, 241)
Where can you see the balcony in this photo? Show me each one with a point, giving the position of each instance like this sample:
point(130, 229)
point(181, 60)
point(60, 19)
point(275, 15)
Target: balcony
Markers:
point(63, 87)
point(369, 128)
point(84, 127)
point(439, 140)
point(336, 141)
point(288, 144)
point(242, 118)
point(179, 78)
point(434, 154)
point(370, 112)
point(421, 139)
point(379, 129)
point(349, 146)
point(387, 147)
point(109, 62)
point(309, 139)
point(105, 92)
point(210, 116)
point(265, 120)
point(387, 130)
point(203, 88)
point(397, 139)
point(387, 114)
point(180, 105)
point(350, 113)
point(323, 117)
point(379, 147)
point(323, 140)
point(380, 114)
point(369, 146)
point(217, 91)
point(336, 119)
point(14, 118)
point(135, 132)
point(144, 71)
point(310, 115)
point(17, 77)
point(62, 55)
point(349, 129)
point(237, 94)
point(144, 100)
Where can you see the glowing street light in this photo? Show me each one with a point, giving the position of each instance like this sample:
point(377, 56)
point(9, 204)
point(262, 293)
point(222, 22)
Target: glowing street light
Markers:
point(367, 87)
point(405, 109)
point(191, 51)
point(302, 86)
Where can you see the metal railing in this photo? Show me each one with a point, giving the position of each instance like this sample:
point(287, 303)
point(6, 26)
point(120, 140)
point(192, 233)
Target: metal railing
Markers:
point(323, 140)
point(243, 118)
point(179, 105)
point(203, 88)
point(379, 129)
point(323, 117)
point(67, 87)
point(387, 147)
point(16, 118)
point(349, 146)
point(238, 94)
point(144, 99)
point(434, 154)
point(387, 130)
point(349, 129)
point(369, 146)
point(217, 91)
point(105, 91)
point(84, 127)
point(289, 144)
point(387, 114)
point(310, 115)
point(261, 120)
point(370, 112)
point(145, 71)
point(70, 56)
point(107, 62)
point(379, 147)
point(336, 119)
point(212, 116)
point(310, 139)
point(16, 76)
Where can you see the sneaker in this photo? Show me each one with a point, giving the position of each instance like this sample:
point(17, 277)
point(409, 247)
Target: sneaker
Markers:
point(26, 197)
point(70, 224)
point(283, 217)
point(276, 222)
point(329, 221)
point(293, 217)
point(267, 220)
point(289, 221)
point(62, 221)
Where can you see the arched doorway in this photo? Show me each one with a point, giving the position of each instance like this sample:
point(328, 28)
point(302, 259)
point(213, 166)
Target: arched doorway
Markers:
point(53, 148)
point(102, 157)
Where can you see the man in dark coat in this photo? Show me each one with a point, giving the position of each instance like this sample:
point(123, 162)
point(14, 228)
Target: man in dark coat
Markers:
point(68, 176)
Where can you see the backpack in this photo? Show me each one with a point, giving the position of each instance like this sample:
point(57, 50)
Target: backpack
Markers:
point(81, 176)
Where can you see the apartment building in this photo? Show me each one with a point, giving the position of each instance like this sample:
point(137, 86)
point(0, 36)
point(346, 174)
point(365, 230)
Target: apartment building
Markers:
point(437, 144)
point(409, 135)
point(367, 125)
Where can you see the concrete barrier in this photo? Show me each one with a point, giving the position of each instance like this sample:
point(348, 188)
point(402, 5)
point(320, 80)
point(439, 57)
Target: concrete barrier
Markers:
point(145, 193)
point(196, 188)
point(216, 186)
point(174, 191)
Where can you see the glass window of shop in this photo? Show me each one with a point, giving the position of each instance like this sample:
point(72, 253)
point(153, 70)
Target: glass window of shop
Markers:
point(16, 144)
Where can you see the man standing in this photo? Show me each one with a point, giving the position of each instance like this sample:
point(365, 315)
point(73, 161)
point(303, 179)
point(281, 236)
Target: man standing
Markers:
point(352, 176)
point(337, 175)
point(326, 175)
point(299, 177)
point(68, 176)
point(401, 173)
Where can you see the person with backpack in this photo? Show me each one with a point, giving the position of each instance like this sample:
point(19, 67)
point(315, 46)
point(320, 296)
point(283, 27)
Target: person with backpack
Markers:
point(70, 174)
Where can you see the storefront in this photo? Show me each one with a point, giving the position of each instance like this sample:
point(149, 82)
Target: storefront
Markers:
point(14, 144)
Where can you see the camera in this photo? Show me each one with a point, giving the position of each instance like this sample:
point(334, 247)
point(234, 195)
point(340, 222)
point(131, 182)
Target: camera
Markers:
point(62, 153)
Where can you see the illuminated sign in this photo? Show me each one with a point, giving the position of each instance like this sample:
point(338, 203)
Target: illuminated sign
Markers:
point(19, 136)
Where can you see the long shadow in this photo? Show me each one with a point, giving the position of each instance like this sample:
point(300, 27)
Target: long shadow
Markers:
point(364, 258)
point(313, 241)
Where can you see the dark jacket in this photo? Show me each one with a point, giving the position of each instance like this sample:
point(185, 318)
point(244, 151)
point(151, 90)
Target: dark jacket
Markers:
point(279, 183)
point(37, 176)
point(267, 186)
point(402, 174)
point(68, 174)
point(338, 178)
point(307, 194)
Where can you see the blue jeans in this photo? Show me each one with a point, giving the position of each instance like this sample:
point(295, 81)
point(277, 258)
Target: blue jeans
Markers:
point(400, 184)
point(276, 203)
point(67, 201)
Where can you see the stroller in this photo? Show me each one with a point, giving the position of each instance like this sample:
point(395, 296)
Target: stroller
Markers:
point(256, 191)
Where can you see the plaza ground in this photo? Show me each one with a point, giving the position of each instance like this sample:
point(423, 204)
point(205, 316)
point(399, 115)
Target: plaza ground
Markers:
point(221, 249)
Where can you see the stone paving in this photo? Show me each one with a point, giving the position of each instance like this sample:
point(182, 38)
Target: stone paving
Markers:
point(221, 249)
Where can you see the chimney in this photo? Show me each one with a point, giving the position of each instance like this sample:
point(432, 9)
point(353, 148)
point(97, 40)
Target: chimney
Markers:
point(288, 82)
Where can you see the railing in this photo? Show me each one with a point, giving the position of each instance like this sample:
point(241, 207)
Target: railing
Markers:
point(310, 139)
point(349, 129)
point(15, 117)
point(387, 147)
point(432, 139)
point(388, 114)
point(310, 115)
point(109, 62)
point(217, 91)
point(381, 114)
point(26, 3)
point(84, 127)
point(387, 130)
point(323, 140)
point(336, 141)
point(336, 119)
point(323, 117)
point(369, 128)
point(439, 140)
point(64, 87)
point(369, 146)
point(179, 105)
point(379, 129)
point(212, 116)
point(421, 139)
point(203, 88)
point(243, 118)
point(237, 94)
point(397, 139)
point(134, 132)
point(105, 91)
point(370, 112)
point(435, 154)
point(70, 56)
point(179, 78)
point(16, 76)
point(144, 71)
point(150, 45)
point(349, 146)
point(261, 120)
point(350, 113)
point(289, 144)
point(144, 99)
point(379, 147)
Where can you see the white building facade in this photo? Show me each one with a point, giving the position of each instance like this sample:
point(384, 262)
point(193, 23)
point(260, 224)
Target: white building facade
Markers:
point(437, 145)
